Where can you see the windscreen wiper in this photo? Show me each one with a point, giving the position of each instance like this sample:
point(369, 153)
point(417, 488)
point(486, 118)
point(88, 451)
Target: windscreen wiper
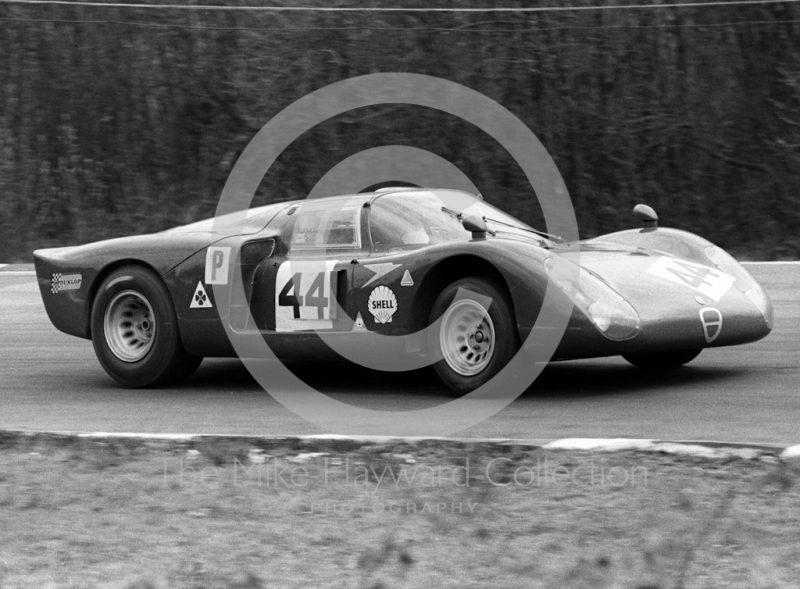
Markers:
point(549, 236)
point(452, 213)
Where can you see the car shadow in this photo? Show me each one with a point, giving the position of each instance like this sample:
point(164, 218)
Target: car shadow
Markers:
point(597, 378)
point(339, 379)
point(560, 380)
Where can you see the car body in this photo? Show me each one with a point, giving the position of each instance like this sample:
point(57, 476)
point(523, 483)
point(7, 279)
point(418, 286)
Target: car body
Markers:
point(351, 269)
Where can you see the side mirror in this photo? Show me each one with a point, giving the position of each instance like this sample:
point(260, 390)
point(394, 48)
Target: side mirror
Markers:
point(475, 225)
point(647, 216)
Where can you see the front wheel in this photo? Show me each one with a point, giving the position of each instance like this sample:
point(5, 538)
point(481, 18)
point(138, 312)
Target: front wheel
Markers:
point(477, 335)
point(135, 331)
point(662, 360)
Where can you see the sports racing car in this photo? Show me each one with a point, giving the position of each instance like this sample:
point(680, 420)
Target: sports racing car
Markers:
point(460, 274)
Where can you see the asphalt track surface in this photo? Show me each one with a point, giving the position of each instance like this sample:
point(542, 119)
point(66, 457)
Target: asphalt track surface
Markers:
point(751, 393)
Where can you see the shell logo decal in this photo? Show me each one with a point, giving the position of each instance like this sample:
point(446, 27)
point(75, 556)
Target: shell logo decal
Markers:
point(382, 304)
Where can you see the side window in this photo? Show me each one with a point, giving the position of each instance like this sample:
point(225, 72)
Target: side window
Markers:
point(327, 227)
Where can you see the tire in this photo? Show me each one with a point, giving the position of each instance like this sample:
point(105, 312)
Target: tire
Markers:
point(662, 360)
point(135, 331)
point(463, 369)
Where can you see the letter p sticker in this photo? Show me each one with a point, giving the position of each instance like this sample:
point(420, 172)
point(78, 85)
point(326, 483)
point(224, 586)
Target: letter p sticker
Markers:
point(217, 259)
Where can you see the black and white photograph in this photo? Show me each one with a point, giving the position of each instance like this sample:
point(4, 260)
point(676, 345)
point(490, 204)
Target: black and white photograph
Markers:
point(400, 294)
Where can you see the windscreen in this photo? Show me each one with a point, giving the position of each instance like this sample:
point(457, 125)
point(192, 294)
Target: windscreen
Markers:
point(411, 220)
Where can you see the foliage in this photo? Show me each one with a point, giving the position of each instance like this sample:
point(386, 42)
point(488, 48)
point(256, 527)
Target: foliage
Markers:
point(118, 121)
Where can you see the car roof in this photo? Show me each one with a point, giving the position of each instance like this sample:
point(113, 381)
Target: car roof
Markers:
point(369, 197)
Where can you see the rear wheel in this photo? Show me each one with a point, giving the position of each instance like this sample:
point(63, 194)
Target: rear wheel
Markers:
point(477, 335)
point(662, 360)
point(135, 331)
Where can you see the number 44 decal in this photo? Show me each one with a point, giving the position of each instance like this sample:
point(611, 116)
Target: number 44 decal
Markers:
point(314, 297)
point(708, 281)
point(303, 298)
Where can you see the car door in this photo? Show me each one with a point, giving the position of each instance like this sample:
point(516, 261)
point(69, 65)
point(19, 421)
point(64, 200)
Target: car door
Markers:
point(401, 228)
point(305, 283)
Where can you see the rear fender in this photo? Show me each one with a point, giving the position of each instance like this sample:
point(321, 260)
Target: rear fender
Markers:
point(69, 277)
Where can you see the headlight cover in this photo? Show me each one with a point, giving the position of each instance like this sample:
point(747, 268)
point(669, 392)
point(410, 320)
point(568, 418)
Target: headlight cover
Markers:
point(611, 314)
point(744, 280)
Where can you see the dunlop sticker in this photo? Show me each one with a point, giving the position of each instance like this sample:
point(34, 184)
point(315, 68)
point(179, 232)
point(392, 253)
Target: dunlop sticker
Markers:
point(65, 282)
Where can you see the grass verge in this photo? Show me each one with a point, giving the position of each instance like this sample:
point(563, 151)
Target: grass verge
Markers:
point(128, 513)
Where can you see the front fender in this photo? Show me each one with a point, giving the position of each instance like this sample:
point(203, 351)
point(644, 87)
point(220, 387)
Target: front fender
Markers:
point(664, 240)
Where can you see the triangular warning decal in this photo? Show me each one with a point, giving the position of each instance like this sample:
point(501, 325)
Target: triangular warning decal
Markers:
point(359, 324)
point(407, 280)
point(200, 298)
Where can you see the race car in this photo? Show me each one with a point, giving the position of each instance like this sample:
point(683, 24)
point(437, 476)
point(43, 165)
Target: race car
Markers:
point(399, 273)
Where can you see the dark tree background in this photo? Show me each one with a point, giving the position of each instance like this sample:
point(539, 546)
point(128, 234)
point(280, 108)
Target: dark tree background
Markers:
point(116, 121)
